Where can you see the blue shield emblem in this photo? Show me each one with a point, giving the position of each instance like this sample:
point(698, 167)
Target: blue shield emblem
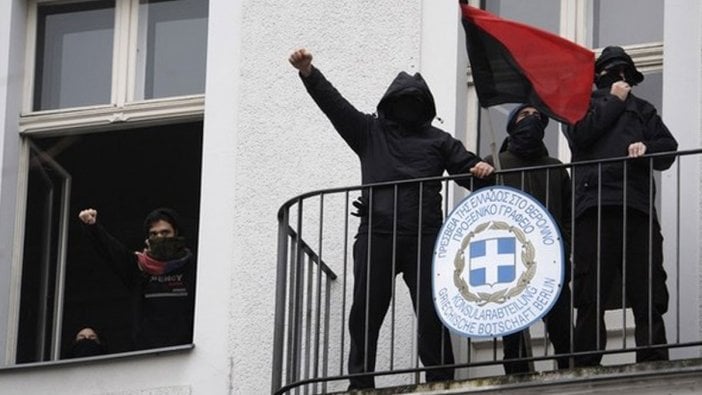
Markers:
point(492, 261)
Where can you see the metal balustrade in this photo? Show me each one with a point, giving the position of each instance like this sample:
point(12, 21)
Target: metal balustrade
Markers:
point(315, 277)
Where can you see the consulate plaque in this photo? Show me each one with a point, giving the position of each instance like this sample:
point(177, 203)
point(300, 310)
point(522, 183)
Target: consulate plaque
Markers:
point(498, 263)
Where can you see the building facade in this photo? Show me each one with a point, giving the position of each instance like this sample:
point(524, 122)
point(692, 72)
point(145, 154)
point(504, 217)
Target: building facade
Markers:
point(127, 105)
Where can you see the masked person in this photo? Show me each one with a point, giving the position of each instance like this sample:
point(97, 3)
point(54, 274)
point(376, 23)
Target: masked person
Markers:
point(618, 124)
point(397, 144)
point(87, 343)
point(524, 147)
point(161, 277)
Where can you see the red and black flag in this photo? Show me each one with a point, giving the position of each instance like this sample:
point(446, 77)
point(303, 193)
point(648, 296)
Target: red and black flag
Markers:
point(515, 63)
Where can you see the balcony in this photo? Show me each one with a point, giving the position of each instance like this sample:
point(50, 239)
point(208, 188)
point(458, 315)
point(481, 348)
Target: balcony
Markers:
point(315, 276)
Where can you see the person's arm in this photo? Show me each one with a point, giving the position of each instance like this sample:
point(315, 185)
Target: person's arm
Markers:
point(458, 160)
point(120, 259)
point(351, 124)
point(658, 139)
point(603, 113)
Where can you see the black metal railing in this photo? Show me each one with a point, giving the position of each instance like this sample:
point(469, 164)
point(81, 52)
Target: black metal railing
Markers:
point(315, 273)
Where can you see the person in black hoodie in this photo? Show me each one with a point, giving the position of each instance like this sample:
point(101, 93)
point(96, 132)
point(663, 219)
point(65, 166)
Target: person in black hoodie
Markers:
point(399, 143)
point(161, 277)
point(522, 148)
point(614, 210)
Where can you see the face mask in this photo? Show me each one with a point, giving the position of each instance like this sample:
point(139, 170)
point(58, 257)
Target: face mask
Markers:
point(606, 80)
point(407, 111)
point(527, 137)
point(86, 348)
point(167, 248)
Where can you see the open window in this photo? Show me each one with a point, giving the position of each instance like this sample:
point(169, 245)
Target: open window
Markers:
point(124, 174)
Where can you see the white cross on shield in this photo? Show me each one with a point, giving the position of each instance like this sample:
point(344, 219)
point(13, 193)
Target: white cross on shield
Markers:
point(492, 261)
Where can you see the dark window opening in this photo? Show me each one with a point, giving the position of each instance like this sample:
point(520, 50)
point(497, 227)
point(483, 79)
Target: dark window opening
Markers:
point(124, 175)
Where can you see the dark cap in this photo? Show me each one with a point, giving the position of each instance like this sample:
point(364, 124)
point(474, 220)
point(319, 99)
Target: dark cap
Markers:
point(613, 56)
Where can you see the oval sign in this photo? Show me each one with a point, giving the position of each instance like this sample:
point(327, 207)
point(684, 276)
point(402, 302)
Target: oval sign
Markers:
point(498, 263)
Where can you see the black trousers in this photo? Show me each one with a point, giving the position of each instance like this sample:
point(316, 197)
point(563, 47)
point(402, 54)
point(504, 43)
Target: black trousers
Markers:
point(642, 270)
point(558, 327)
point(374, 292)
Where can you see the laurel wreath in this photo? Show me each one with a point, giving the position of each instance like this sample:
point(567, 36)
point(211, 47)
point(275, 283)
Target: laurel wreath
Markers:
point(483, 298)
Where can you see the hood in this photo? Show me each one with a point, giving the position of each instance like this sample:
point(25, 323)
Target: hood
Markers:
point(405, 84)
point(512, 117)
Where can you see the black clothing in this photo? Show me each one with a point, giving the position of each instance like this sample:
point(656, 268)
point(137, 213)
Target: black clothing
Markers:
point(551, 187)
point(434, 341)
point(390, 151)
point(86, 348)
point(612, 264)
point(163, 304)
point(607, 130)
point(397, 144)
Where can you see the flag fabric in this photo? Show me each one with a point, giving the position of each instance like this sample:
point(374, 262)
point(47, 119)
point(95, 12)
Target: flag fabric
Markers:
point(515, 63)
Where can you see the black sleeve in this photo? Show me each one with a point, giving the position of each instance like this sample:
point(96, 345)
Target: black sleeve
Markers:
point(119, 258)
point(659, 139)
point(458, 160)
point(603, 113)
point(351, 124)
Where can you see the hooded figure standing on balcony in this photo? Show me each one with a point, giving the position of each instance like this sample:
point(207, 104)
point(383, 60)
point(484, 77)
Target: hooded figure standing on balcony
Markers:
point(524, 147)
point(398, 144)
point(615, 215)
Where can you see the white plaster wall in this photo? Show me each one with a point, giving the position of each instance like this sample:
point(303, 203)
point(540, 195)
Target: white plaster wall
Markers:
point(682, 113)
point(286, 146)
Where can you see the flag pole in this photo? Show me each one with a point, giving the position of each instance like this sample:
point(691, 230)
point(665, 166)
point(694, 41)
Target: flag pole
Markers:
point(493, 143)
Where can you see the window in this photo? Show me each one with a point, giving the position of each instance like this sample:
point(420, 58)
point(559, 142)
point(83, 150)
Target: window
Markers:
point(68, 35)
point(544, 14)
point(170, 46)
point(625, 22)
point(112, 120)
point(109, 61)
point(66, 283)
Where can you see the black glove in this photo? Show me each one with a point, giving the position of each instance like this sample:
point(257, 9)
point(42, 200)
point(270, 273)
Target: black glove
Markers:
point(361, 207)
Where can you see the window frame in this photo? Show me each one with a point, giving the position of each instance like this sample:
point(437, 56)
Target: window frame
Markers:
point(123, 108)
point(123, 112)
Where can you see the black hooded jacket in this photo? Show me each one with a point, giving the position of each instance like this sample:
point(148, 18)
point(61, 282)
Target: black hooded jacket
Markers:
point(390, 152)
point(607, 130)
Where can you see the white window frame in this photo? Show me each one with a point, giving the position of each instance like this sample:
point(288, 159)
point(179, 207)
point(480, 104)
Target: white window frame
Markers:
point(123, 108)
point(122, 111)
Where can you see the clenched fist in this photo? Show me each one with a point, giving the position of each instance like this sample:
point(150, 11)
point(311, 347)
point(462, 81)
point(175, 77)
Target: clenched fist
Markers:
point(88, 216)
point(301, 59)
point(620, 89)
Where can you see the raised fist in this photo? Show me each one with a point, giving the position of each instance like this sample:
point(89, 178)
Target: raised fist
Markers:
point(88, 216)
point(301, 59)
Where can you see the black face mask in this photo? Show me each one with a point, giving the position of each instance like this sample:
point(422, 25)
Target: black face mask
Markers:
point(526, 139)
point(606, 80)
point(408, 111)
point(86, 348)
point(167, 248)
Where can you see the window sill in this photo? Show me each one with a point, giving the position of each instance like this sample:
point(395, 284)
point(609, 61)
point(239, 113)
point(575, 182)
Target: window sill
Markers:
point(100, 358)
